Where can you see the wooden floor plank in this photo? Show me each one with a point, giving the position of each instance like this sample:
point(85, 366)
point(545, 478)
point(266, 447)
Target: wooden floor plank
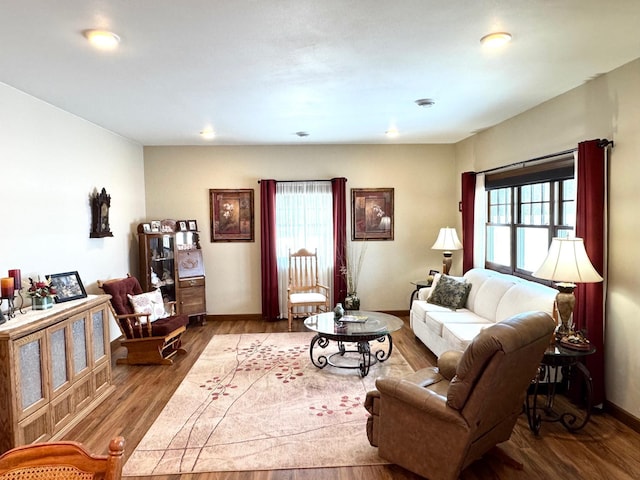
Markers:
point(605, 448)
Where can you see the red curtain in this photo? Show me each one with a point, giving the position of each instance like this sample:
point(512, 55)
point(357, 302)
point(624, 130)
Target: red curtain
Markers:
point(588, 313)
point(269, 264)
point(468, 214)
point(338, 186)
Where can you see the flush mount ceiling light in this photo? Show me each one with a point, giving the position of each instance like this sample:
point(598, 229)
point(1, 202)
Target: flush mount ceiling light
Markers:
point(425, 102)
point(208, 134)
point(392, 132)
point(102, 39)
point(495, 39)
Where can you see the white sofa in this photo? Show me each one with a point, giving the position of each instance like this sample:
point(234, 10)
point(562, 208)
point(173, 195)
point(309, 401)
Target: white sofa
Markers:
point(493, 297)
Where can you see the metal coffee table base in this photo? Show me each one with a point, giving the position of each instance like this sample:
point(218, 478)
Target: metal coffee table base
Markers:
point(365, 358)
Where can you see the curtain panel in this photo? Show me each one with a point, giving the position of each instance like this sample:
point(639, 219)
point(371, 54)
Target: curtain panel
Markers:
point(269, 264)
point(588, 313)
point(468, 215)
point(339, 191)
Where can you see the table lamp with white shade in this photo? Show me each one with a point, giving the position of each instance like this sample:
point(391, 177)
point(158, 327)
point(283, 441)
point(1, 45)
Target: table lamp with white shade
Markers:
point(448, 241)
point(567, 263)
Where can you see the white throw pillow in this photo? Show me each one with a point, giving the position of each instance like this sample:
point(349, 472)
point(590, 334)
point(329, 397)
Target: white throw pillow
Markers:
point(150, 304)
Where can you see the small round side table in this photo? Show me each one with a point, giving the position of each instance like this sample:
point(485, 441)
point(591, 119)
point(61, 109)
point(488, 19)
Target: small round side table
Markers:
point(559, 360)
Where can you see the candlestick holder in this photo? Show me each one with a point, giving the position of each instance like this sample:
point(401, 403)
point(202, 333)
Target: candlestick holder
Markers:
point(11, 309)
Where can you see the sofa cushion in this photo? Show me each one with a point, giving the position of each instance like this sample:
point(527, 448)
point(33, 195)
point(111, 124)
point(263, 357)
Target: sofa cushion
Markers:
point(524, 297)
point(434, 321)
point(459, 335)
point(489, 294)
point(450, 292)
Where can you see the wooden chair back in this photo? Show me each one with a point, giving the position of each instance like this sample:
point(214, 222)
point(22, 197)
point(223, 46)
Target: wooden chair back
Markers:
point(131, 324)
point(303, 270)
point(62, 460)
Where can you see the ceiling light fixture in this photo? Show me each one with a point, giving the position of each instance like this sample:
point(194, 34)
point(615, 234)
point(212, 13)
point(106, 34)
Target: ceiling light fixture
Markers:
point(392, 132)
point(495, 39)
point(102, 39)
point(425, 102)
point(208, 134)
point(302, 134)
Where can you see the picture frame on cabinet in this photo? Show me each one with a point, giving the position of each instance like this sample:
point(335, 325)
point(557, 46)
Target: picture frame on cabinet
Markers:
point(231, 212)
point(155, 226)
point(192, 226)
point(146, 228)
point(182, 225)
point(68, 286)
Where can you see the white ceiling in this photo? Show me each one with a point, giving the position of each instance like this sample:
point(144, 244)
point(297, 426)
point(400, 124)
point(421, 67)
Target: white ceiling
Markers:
point(258, 71)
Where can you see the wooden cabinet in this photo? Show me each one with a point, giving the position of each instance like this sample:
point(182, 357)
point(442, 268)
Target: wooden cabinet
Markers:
point(172, 261)
point(56, 368)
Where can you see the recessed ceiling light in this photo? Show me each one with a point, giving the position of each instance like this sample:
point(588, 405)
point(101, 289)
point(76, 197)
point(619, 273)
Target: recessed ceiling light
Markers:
point(495, 39)
point(208, 134)
point(425, 102)
point(102, 39)
point(392, 132)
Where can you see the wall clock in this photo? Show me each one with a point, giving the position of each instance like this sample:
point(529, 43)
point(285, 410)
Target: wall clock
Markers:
point(100, 204)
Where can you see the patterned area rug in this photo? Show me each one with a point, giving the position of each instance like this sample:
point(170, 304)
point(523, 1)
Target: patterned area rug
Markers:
point(256, 402)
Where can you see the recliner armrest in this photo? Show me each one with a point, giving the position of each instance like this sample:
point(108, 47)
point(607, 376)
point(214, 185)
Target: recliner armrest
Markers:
point(448, 363)
point(419, 398)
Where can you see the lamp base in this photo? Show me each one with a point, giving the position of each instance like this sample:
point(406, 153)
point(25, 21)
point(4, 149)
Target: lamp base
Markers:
point(446, 263)
point(565, 301)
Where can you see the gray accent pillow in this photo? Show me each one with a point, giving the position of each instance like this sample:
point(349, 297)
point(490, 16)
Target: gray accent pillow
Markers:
point(450, 293)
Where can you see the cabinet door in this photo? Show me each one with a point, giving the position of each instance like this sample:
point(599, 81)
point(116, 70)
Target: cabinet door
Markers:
point(161, 265)
point(99, 335)
point(192, 297)
point(58, 339)
point(33, 390)
point(80, 344)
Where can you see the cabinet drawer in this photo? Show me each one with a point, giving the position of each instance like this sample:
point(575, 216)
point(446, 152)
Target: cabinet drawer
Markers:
point(192, 282)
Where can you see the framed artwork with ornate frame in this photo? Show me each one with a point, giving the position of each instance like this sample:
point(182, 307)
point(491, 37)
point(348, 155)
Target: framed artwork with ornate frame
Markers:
point(372, 214)
point(231, 215)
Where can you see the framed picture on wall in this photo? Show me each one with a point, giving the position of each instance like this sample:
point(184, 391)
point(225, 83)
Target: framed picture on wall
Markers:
point(372, 214)
point(231, 215)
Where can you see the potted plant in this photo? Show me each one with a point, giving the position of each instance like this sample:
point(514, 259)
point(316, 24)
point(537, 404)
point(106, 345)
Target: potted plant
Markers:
point(41, 293)
point(350, 269)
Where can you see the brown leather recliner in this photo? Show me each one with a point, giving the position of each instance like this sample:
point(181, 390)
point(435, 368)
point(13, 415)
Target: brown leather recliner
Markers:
point(439, 420)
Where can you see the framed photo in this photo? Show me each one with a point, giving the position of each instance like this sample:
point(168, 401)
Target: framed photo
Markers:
point(433, 272)
point(182, 226)
point(231, 215)
point(68, 286)
point(146, 227)
point(192, 225)
point(155, 226)
point(372, 214)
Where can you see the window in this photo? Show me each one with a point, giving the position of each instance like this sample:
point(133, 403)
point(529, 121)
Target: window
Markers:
point(304, 219)
point(525, 211)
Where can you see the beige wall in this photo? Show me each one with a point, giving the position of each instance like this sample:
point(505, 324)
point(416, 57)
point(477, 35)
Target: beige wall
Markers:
point(178, 180)
point(51, 162)
point(607, 107)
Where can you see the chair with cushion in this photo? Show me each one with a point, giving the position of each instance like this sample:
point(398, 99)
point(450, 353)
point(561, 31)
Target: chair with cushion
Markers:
point(439, 420)
point(62, 460)
point(305, 294)
point(152, 336)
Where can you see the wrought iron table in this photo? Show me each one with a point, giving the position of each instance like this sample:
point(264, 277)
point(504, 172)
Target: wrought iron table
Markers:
point(558, 365)
point(364, 327)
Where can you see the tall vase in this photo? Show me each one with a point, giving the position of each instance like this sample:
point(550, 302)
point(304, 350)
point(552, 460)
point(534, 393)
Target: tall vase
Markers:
point(352, 301)
point(41, 303)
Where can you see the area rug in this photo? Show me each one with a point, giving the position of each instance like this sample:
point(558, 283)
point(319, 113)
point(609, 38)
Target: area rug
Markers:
point(256, 402)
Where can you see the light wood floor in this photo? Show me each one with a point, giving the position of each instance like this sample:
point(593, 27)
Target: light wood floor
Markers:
point(604, 449)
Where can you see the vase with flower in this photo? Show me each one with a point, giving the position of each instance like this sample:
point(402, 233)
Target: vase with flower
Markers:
point(41, 293)
point(350, 269)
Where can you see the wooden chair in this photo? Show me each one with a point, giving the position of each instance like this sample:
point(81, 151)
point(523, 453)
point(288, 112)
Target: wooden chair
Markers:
point(62, 460)
point(304, 289)
point(147, 343)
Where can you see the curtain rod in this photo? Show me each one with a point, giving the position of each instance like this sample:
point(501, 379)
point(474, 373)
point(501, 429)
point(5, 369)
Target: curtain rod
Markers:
point(292, 181)
point(601, 143)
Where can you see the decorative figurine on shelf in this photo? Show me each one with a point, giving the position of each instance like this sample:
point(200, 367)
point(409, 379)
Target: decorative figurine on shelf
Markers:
point(100, 204)
point(154, 278)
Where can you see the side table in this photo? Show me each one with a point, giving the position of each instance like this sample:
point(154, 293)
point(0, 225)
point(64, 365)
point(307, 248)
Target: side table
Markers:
point(556, 360)
point(419, 284)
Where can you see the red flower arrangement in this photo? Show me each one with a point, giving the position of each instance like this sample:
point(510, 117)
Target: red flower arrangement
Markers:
point(41, 289)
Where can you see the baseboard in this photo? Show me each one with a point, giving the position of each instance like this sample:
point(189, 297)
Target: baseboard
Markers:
point(622, 415)
point(238, 317)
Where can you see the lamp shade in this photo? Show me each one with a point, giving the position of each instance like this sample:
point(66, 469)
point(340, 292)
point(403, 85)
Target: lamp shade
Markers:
point(447, 240)
point(567, 261)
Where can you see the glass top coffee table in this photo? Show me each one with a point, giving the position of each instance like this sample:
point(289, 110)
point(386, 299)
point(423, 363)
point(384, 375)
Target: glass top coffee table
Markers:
point(358, 327)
